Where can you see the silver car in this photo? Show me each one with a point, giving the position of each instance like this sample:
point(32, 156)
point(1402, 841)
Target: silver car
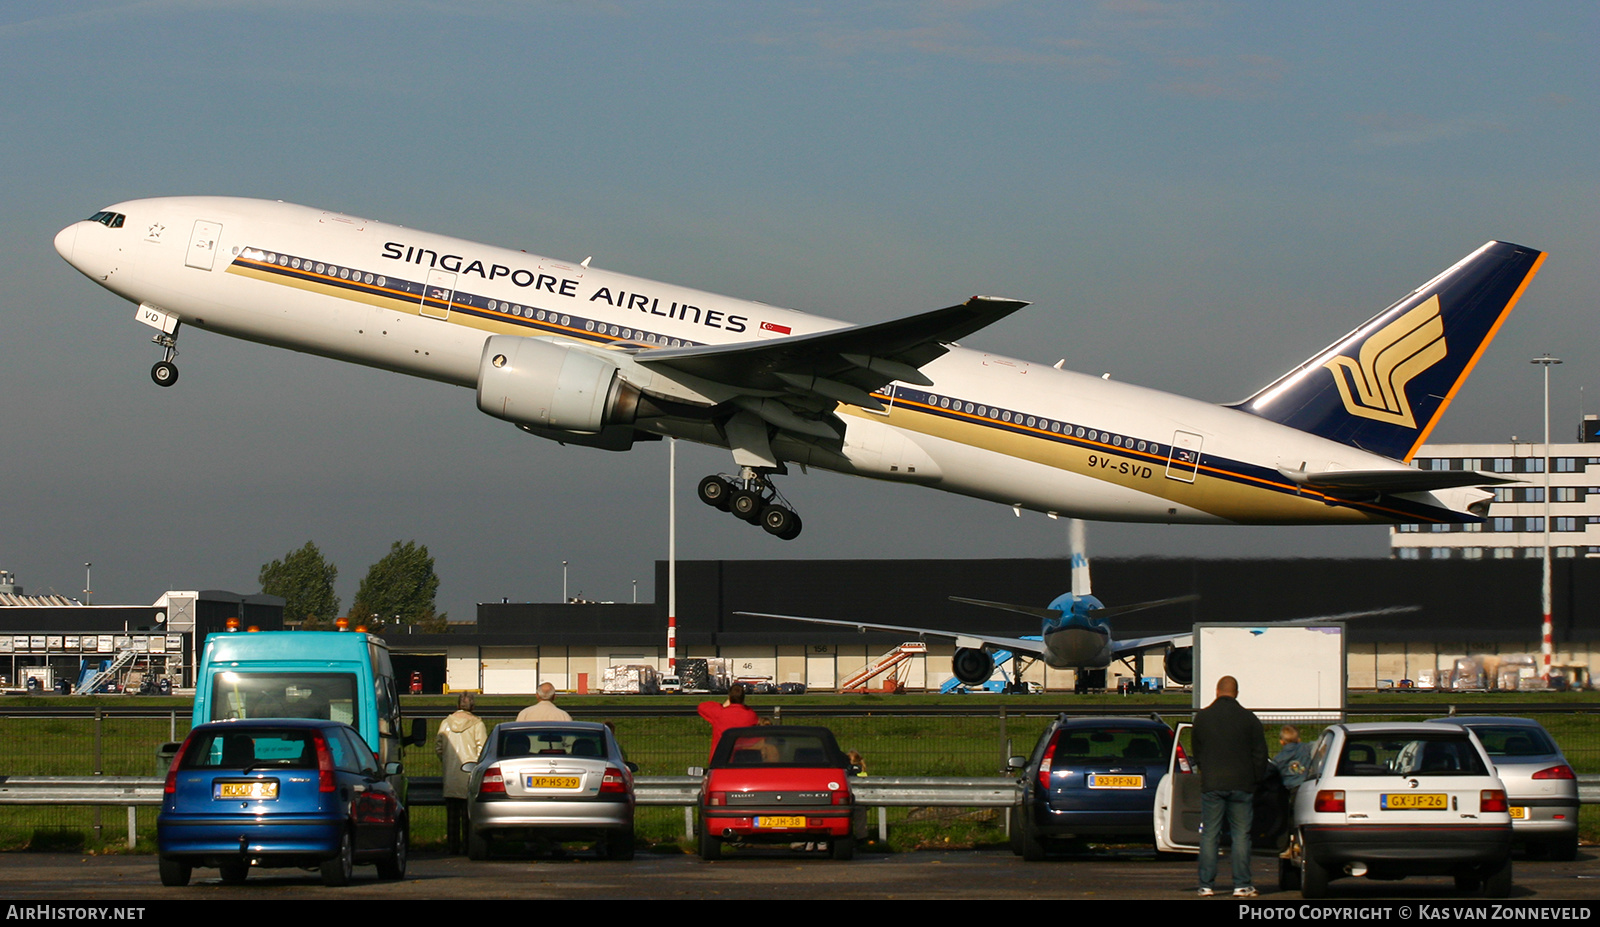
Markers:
point(1540, 784)
point(548, 782)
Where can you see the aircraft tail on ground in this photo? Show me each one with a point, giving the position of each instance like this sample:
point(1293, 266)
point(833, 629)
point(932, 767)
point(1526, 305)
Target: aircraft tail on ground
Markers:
point(1384, 386)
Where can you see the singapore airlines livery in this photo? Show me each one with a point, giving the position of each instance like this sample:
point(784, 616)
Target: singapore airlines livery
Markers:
point(585, 356)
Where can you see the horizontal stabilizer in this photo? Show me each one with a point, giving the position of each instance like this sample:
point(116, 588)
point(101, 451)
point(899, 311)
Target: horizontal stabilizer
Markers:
point(1368, 482)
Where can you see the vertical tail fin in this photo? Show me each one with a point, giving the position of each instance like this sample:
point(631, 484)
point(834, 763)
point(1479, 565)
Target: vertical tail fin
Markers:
point(1384, 386)
point(1080, 557)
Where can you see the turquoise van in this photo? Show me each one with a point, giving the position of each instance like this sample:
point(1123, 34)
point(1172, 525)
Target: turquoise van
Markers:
point(329, 675)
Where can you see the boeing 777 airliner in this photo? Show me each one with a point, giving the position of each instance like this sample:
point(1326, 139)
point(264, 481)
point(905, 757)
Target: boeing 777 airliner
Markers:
point(586, 356)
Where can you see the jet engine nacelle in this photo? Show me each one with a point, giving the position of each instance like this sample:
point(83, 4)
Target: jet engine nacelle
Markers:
point(1180, 665)
point(554, 390)
point(973, 666)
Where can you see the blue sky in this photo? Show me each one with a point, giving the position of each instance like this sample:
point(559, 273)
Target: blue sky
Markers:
point(1195, 196)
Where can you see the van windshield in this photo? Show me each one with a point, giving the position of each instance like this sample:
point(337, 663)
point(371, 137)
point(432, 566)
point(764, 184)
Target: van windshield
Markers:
point(322, 696)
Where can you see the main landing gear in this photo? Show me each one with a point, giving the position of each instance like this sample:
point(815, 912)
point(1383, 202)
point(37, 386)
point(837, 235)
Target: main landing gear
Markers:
point(165, 372)
point(752, 497)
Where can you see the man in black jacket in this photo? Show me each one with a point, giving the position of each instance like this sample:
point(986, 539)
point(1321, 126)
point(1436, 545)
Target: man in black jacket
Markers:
point(1231, 748)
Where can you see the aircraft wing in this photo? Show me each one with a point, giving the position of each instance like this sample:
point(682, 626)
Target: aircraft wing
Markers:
point(839, 365)
point(1013, 644)
point(1186, 638)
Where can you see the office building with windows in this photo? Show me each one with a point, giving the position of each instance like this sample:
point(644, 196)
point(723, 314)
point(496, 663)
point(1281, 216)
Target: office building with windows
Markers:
point(1514, 527)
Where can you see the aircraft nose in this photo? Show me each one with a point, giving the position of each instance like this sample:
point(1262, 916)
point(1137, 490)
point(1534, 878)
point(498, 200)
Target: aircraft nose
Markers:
point(66, 240)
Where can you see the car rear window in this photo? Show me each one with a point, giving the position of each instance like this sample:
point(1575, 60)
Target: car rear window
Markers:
point(256, 749)
point(1514, 740)
point(1410, 754)
point(1127, 745)
point(513, 744)
point(781, 750)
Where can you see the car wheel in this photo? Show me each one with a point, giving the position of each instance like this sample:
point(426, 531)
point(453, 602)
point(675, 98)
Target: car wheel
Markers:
point(1032, 843)
point(1497, 884)
point(1288, 875)
point(338, 870)
point(1313, 878)
point(235, 871)
point(477, 844)
point(1564, 850)
point(619, 845)
point(710, 847)
point(174, 873)
point(843, 848)
point(393, 868)
point(1014, 826)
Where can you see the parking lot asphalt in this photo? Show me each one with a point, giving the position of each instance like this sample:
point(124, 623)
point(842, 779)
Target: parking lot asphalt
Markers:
point(768, 875)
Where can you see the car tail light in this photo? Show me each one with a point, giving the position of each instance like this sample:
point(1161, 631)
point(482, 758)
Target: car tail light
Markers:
point(1046, 760)
point(1492, 800)
point(612, 782)
point(172, 771)
point(326, 780)
point(718, 798)
point(1183, 761)
point(493, 782)
point(841, 796)
point(1330, 800)
point(1555, 772)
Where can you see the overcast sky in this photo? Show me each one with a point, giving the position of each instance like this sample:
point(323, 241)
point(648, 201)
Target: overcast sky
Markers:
point(1196, 196)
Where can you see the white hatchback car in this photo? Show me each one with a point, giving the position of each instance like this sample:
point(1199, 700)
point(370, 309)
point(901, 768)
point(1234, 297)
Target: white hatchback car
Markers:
point(1393, 800)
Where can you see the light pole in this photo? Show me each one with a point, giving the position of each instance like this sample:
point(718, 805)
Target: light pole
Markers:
point(1546, 631)
point(563, 582)
point(672, 557)
point(88, 587)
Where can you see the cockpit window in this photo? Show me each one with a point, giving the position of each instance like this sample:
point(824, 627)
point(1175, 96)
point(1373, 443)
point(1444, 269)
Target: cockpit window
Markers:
point(111, 220)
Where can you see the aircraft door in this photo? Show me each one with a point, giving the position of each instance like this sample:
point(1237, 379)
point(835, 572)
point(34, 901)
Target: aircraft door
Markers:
point(203, 245)
point(1184, 460)
point(437, 297)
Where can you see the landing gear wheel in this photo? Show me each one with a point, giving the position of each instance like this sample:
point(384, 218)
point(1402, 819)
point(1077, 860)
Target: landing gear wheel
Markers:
point(235, 871)
point(780, 522)
point(165, 373)
point(174, 872)
point(747, 505)
point(716, 492)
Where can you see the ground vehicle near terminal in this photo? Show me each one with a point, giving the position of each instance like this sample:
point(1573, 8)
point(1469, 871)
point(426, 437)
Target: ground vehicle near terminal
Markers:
point(1540, 784)
point(779, 785)
point(280, 793)
point(551, 781)
point(1090, 777)
point(330, 675)
point(1389, 800)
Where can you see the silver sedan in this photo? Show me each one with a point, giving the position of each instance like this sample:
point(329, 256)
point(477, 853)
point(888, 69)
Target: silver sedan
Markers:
point(551, 782)
point(1540, 784)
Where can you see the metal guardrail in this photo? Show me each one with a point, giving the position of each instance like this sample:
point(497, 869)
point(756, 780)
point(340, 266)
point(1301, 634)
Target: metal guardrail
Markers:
point(873, 791)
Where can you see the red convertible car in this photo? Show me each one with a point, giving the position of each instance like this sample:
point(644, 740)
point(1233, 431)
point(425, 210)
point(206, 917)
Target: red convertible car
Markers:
point(782, 785)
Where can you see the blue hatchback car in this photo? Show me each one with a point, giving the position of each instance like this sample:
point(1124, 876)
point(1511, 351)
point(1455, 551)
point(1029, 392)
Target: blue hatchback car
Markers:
point(1090, 777)
point(279, 793)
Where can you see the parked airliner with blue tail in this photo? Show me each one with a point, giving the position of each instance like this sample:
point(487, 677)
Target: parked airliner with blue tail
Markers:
point(1074, 631)
point(585, 356)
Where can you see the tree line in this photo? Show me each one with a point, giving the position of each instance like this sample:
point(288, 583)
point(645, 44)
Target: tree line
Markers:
point(398, 590)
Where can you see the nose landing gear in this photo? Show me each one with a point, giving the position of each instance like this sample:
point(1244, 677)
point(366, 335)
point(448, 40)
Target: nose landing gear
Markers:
point(165, 372)
point(753, 498)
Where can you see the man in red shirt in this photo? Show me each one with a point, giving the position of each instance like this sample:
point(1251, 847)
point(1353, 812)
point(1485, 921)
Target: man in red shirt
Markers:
point(727, 714)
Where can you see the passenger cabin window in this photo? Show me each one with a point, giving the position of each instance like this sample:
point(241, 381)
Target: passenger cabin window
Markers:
point(322, 696)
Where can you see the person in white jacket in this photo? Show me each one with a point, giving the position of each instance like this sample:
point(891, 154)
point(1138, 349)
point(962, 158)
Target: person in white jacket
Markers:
point(460, 740)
